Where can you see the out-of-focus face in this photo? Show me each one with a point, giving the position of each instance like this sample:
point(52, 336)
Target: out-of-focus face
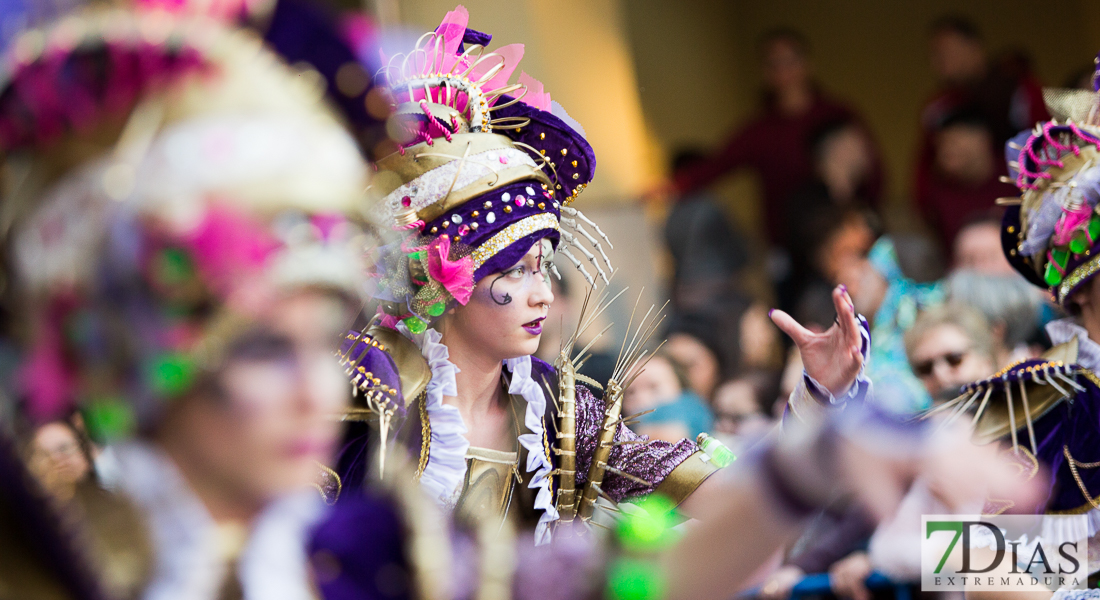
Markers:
point(735, 409)
point(654, 386)
point(57, 460)
point(843, 260)
point(700, 363)
point(978, 248)
point(954, 58)
point(964, 154)
point(944, 360)
point(267, 421)
point(505, 314)
point(845, 162)
point(784, 65)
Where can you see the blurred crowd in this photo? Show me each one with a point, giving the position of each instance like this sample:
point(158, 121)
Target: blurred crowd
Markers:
point(943, 306)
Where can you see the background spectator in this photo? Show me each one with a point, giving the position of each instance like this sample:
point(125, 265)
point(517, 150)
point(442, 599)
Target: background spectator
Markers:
point(1011, 306)
point(742, 407)
point(688, 344)
point(677, 412)
point(891, 297)
point(775, 142)
point(998, 98)
point(830, 241)
point(977, 246)
point(965, 176)
point(948, 347)
point(707, 251)
point(59, 456)
point(843, 163)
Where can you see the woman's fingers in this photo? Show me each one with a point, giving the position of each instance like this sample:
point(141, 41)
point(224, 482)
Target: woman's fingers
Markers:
point(846, 316)
point(789, 326)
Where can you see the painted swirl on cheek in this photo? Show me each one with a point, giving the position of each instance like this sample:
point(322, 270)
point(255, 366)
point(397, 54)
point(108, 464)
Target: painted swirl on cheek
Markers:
point(505, 298)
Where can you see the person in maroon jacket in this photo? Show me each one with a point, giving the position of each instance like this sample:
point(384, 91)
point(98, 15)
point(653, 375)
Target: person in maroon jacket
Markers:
point(775, 143)
point(1002, 94)
point(965, 178)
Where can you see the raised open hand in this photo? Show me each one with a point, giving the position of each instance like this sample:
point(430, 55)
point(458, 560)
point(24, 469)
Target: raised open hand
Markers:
point(832, 358)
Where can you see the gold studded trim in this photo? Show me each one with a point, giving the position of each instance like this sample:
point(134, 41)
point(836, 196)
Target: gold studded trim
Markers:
point(1073, 465)
point(1078, 275)
point(511, 234)
point(425, 434)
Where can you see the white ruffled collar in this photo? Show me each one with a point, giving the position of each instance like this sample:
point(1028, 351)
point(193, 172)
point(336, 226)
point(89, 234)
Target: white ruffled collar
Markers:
point(1088, 351)
point(446, 468)
point(185, 537)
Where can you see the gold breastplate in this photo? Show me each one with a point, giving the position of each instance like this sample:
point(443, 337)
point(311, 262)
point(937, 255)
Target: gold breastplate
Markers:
point(491, 476)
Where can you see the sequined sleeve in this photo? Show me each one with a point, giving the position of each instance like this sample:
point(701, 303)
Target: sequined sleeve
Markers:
point(653, 460)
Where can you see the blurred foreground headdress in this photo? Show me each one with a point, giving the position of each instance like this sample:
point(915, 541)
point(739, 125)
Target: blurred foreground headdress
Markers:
point(484, 168)
point(1051, 234)
point(162, 168)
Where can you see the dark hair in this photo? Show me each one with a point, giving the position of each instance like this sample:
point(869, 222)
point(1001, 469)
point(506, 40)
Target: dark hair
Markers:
point(965, 116)
point(958, 25)
point(765, 384)
point(784, 34)
point(708, 326)
point(817, 225)
point(685, 158)
point(821, 134)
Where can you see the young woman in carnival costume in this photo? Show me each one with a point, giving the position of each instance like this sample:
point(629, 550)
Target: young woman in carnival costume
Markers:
point(480, 190)
point(184, 268)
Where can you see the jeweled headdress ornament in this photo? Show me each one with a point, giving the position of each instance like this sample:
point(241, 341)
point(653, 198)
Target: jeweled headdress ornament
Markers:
point(1050, 234)
point(483, 169)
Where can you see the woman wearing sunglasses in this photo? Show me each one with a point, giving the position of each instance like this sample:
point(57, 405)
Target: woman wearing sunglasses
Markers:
point(948, 347)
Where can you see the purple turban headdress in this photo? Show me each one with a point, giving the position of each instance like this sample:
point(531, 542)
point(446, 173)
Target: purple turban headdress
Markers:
point(481, 171)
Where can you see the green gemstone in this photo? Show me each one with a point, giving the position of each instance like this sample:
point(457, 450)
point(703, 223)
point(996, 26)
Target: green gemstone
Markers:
point(1094, 227)
point(649, 526)
point(1052, 276)
point(175, 266)
point(1079, 243)
point(634, 579)
point(108, 419)
point(171, 374)
point(437, 309)
point(415, 324)
point(1060, 256)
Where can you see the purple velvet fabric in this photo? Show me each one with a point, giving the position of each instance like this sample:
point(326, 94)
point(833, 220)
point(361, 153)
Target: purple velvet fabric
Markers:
point(522, 199)
point(358, 551)
point(1072, 424)
point(473, 36)
point(375, 361)
point(302, 31)
point(551, 135)
point(354, 455)
point(651, 461)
